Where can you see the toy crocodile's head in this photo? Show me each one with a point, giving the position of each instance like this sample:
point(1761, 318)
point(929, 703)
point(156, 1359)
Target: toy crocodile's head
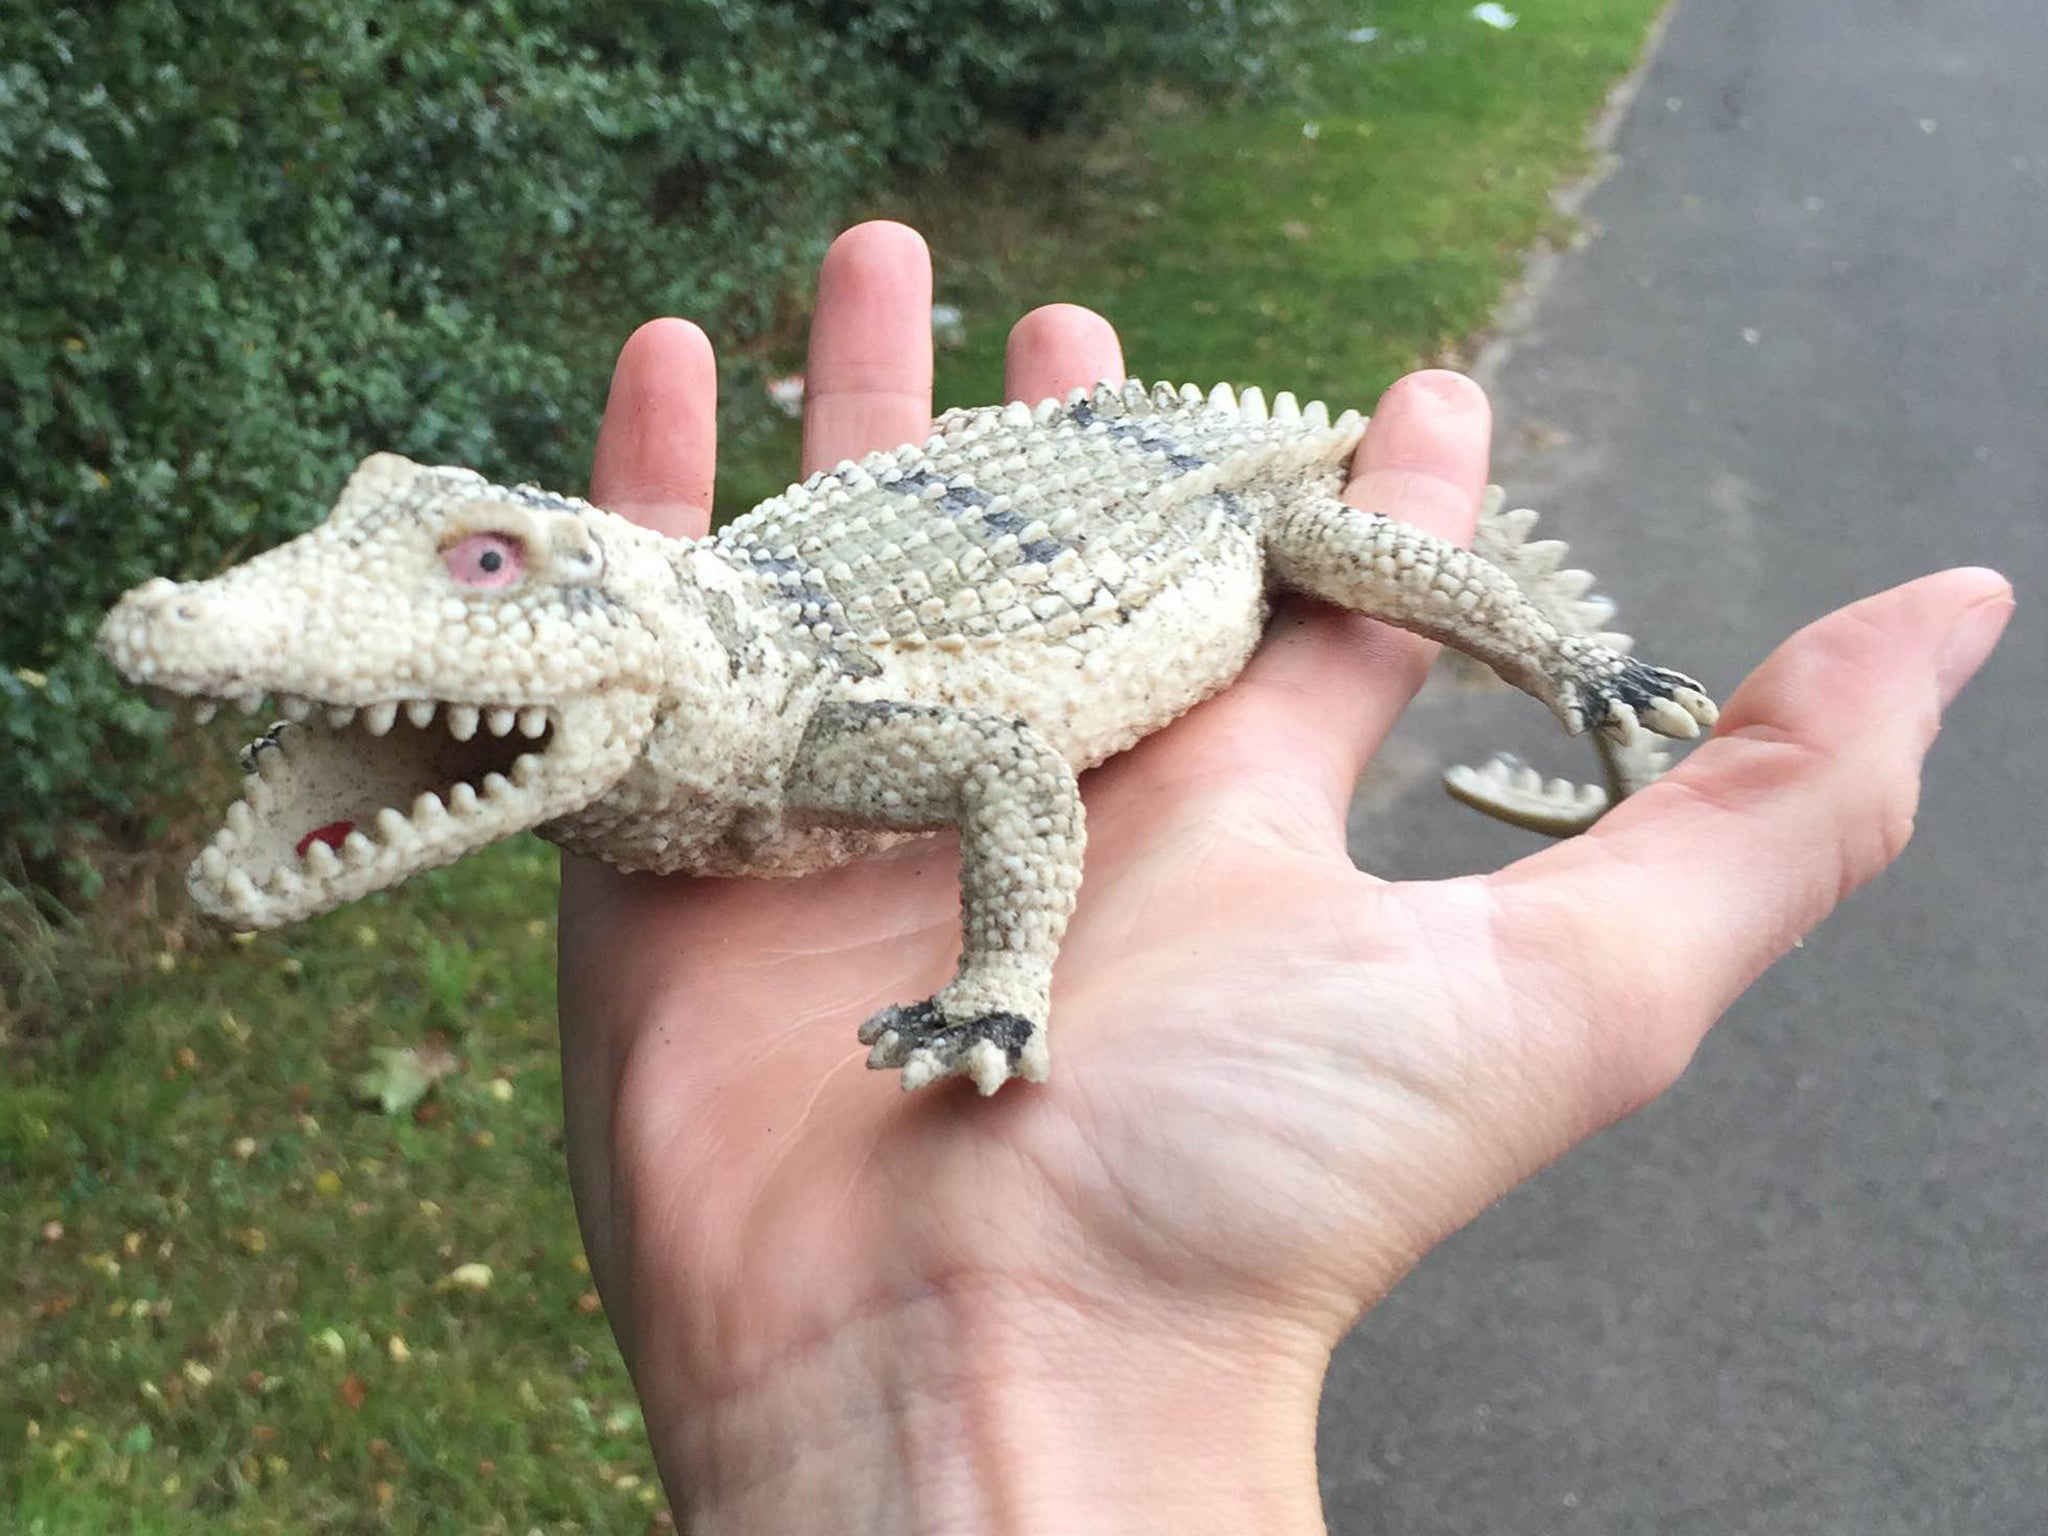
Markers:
point(455, 662)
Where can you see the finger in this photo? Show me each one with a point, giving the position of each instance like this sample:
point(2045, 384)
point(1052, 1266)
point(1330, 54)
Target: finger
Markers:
point(868, 384)
point(1329, 683)
point(658, 444)
point(656, 452)
point(1058, 348)
point(1680, 898)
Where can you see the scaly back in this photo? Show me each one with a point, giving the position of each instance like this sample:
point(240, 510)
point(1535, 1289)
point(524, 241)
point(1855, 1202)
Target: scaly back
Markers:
point(1121, 486)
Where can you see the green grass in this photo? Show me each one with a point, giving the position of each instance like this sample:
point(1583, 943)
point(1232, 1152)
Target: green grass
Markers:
point(213, 1242)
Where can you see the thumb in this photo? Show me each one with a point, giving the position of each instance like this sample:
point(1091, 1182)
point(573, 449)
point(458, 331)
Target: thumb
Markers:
point(1657, 919)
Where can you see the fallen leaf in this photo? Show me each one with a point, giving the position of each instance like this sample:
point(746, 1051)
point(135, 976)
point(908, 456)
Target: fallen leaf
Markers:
point(786, 394)
point(468, 1277)
point(402, 1075)
point(353, 1392)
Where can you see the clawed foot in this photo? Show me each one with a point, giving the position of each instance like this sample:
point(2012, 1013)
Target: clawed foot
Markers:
point(1636, 695)
point(927, 1044)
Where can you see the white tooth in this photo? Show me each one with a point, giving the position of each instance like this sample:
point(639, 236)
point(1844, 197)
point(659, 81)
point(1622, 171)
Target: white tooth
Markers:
point(256, 791)
point(294, 708)
point(1221, 398)
point(525, 769)
point(533, 721)
point(213, 864)
point(322, 862)
point(462, 800)
point(462, 721)
point(241, 820)
point(249, 703)
point(496, 786)
point(1286, 407)
point(420, 712)
point(1251, 405)
point(240, 889)
point(285, 882)
point(501, 720)
point(393, 830)
point(379, 718)
point(204, 711)
point(428, 810)
point(339, 715)
point(357, 849)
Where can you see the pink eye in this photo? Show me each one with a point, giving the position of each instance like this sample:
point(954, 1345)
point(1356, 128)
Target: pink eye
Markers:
point(485, 560)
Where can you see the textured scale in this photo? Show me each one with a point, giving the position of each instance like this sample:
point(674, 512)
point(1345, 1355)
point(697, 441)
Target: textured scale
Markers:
point(1100, 508)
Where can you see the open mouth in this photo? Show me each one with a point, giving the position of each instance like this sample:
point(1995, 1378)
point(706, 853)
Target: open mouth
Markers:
point(340, 800)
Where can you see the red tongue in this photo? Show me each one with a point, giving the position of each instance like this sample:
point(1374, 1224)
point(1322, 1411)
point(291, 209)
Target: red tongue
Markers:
point(333, 835)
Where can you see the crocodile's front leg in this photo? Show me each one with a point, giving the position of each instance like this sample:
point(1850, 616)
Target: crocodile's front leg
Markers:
point(1018, 810)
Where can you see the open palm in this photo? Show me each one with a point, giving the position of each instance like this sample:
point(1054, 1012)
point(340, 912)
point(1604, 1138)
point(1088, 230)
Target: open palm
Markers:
point(1276, 1080)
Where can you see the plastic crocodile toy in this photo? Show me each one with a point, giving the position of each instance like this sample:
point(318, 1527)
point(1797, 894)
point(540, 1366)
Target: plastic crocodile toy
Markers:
point(939, 636)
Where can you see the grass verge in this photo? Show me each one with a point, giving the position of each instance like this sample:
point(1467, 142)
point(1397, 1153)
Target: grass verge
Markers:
point(246, 1298)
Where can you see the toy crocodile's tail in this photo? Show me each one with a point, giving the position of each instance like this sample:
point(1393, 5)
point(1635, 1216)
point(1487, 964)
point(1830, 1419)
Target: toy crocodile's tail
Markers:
point(1505, 787)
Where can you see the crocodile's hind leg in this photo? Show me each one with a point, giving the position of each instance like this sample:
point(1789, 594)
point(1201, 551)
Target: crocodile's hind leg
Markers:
point(1397, 572)
point(1506, 788)
point(1018, 810)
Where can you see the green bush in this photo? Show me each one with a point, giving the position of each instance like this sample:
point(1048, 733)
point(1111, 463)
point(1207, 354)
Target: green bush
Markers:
point(242, 243)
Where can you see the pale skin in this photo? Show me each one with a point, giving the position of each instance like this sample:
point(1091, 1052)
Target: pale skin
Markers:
point(1106, 1304)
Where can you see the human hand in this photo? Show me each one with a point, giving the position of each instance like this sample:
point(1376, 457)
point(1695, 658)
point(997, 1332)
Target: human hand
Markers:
point(1107, 1302)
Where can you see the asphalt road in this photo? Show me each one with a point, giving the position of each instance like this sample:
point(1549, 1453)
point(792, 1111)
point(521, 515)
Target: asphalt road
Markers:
point(1805, 357)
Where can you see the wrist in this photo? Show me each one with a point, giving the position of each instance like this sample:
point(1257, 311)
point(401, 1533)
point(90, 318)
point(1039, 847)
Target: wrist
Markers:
point(986, 1410)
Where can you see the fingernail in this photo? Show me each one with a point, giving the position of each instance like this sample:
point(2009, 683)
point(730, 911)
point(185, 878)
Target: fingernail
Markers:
point(1447, 388)
point(1970, 642)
